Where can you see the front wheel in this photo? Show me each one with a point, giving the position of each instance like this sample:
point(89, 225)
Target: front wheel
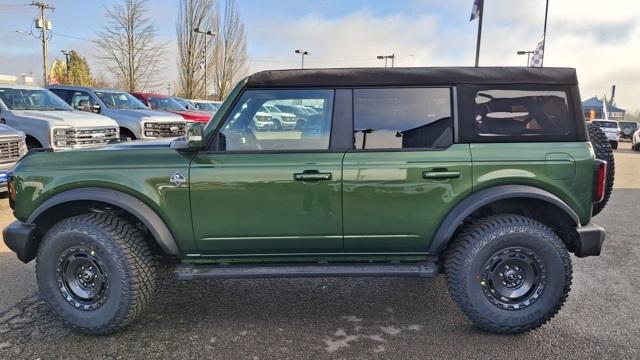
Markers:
point(508, 273)
point(96, 272)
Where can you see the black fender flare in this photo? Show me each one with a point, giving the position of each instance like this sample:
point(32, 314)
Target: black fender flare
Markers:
point(484, 197)
point(134, 206)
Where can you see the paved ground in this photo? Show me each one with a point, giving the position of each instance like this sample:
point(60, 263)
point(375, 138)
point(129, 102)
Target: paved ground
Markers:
point(350, 318)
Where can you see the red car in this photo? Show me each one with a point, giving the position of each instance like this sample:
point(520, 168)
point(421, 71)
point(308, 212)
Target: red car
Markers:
point(167, 103)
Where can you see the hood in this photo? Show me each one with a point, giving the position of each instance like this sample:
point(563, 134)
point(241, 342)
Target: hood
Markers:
point(8, 131)
point(198, 116)
point(76, 119)
point(148, 115)
point(140, 144)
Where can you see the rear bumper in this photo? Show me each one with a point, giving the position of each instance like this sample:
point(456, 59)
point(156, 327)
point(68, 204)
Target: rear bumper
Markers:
point(20, 238)
point(590, 240)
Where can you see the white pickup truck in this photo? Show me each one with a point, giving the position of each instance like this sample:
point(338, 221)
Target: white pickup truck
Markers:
point(49, 122)
point(611, 129)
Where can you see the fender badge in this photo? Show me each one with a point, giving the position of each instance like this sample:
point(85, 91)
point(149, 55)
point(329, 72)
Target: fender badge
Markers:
point(177, 178)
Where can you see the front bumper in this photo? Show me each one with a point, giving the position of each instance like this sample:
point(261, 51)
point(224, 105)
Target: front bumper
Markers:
point(589, 241)
point(20, 238)
point(4, 171)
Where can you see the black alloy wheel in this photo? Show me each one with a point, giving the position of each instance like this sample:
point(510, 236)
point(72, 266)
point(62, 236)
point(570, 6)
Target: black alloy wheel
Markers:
point(81, 278)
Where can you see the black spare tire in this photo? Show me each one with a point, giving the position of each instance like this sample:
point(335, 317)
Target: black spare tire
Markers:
point(603, 151)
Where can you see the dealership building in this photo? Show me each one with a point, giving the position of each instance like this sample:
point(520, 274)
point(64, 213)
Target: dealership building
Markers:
point(592, 109)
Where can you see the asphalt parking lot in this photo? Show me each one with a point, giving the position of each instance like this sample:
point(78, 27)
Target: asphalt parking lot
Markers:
point(348, 318)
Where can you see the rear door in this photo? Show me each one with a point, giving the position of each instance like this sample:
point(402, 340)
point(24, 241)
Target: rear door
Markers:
point(404, 173)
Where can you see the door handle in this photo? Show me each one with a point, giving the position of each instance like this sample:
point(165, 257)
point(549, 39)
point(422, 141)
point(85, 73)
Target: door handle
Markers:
point(441, 174)
point(311, 175)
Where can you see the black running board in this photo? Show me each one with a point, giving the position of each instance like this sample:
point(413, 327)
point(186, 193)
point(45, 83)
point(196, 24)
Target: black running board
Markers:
point(415, 269)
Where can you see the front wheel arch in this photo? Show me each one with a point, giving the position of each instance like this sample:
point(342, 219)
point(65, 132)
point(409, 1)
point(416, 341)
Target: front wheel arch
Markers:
point(81, 200)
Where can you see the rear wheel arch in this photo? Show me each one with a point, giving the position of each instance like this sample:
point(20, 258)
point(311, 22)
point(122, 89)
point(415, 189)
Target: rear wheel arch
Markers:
point(77, 201)
point(524, 200)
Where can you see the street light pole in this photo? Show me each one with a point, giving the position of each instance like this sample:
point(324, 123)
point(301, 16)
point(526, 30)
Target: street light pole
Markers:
point(387, 57)
point(206, 33)
point(302, 53)
point(528, 53)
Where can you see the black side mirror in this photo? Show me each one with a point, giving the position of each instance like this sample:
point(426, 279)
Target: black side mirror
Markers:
point(195, 133)
point(96, 108)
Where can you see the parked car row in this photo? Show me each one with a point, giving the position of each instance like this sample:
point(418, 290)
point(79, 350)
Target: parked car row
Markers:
point(280, 116)
point(74, 117)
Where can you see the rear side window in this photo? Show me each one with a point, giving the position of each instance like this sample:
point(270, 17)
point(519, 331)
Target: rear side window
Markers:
point(402, 118)
point(532, 114)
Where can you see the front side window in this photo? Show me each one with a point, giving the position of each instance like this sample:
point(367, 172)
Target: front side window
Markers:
point(532, 113)
point(120, 100)
point(32, 99)
point(402, 118)
point(82, 100)
point(256, 124)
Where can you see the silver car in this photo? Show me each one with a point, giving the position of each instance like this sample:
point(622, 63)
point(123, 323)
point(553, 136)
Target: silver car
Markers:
point(135, 119)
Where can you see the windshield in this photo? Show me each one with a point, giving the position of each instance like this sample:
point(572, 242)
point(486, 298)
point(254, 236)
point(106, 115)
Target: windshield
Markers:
point(606, 124)
point(165, 103)
point(32, 99)
point(185, 103)
point(120, 100)
point(206, 106)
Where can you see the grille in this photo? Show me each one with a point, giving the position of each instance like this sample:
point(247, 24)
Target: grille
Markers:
point(89, 137)
point(170, 129)
point(10, 151)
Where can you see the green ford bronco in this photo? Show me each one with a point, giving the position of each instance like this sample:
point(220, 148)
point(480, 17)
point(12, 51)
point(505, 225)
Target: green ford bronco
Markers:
point(485, 175)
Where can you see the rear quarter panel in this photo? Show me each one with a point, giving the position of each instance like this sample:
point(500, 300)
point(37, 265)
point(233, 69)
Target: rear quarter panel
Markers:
point(564, 169)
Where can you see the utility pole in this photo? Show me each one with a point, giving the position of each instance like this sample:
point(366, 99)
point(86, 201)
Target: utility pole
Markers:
point(302, 53)
point(44, 25)
point(67, 54)
point(206, 33)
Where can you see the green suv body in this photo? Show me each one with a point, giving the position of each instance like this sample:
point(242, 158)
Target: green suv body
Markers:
point(473, 172)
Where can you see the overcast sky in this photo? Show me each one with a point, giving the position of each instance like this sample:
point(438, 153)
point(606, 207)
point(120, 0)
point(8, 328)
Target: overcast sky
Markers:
point(600, 39)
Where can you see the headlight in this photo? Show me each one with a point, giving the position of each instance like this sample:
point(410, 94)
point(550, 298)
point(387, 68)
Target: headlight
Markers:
point(150, 125)
point(63, 137)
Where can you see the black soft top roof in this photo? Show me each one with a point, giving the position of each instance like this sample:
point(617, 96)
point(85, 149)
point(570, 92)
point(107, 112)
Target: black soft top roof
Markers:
point(412, 76)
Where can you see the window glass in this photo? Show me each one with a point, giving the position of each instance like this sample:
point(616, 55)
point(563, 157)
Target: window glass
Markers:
point(32, 99)
point(402, 118)
point(522, 112)
point(120, 100)
point(82, 101)
point(165, 103)
point(256, 123)
point(606, 124)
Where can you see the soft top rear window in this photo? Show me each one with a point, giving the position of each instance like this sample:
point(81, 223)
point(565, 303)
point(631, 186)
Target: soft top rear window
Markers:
point(522, 113)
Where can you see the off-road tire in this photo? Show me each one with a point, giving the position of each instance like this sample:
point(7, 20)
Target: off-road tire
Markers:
point(480, 242)
point(603, 150)
point(126, 260)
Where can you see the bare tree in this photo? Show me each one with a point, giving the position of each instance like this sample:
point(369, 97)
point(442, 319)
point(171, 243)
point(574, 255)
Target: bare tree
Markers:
point(230, 53)
point(201, 14)
point(128, 45)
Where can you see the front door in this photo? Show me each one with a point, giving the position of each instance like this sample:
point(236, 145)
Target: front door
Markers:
point(269, 189)
point(405, 173)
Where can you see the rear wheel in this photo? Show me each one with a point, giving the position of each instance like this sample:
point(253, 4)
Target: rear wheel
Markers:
point(96, 272)
point(603, 151)
point(508, 273)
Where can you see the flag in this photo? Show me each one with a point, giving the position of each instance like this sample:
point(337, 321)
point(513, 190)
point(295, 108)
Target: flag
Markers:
point(475, 11)
point(538, 54)
point(604, 108)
